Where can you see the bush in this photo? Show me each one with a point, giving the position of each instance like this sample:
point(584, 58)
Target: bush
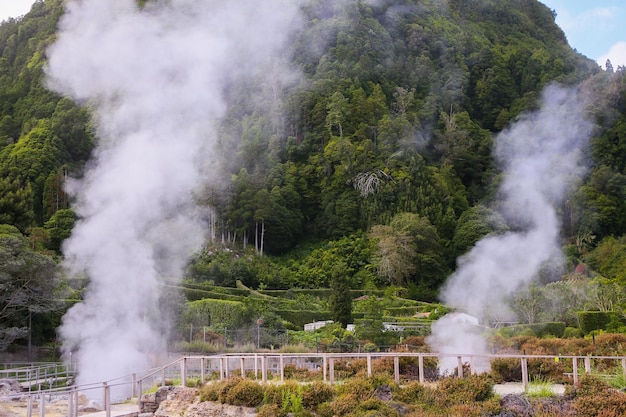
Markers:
point(293, 372)
point(464, 390)
point(225, 387)
point(246, 393)
point(315, 394)
point(556, 329)
point(361, 388)
point(506, 370)
point(210, 392)
point(572, 332)
point(345, 404)
point(410, 393)
point(609, 404)
point(593, 320)
point(270, 410)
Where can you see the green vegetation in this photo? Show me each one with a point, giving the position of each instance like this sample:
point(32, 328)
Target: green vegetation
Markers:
point(375, 179)
point(378, 396)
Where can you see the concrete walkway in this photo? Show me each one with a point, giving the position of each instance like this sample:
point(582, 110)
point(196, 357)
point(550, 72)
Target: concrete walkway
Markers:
point(117, 410)
point(518, 388)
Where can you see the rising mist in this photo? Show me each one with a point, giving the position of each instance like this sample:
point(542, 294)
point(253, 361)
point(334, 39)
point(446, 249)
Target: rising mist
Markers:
point(541, 157)
point(155, 78)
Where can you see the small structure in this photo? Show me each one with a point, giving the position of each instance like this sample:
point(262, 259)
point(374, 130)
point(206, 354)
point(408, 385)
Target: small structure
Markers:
point(310, 327)
point(462, 318)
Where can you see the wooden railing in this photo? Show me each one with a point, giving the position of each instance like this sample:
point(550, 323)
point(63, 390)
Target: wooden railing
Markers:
point(264, 366)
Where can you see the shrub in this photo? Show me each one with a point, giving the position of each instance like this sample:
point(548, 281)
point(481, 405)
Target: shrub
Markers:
point(316, 393)
point(246, 393)
point(325, 410)
point(572, 332)
point(465, 390)
point(593, 320)
point(224, 387)
point(293, 372)
point(589, 385)
point(270, 410)
point(506, 370)
point(210, 391)
point(361, 388)
point(274, 394)
point(375, 408)
point(344, 404)
point(410, 393)
point(608, 404)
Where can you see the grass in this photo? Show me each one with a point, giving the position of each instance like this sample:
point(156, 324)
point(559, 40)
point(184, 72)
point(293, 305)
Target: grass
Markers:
point(539, 388)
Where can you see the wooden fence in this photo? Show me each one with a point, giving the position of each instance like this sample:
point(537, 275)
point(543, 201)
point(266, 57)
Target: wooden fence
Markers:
point(266, 366)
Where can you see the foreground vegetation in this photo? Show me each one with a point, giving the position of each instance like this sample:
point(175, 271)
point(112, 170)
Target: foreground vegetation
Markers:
point(380, 396)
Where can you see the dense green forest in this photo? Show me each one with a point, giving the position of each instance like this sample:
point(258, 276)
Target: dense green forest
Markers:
point(375, 172)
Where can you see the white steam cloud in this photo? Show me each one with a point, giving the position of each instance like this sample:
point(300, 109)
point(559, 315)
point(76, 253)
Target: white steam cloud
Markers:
point(156, 79)
point(541, 157)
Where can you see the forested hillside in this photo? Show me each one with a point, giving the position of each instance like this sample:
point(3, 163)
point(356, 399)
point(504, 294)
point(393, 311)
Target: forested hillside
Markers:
point(371, 166)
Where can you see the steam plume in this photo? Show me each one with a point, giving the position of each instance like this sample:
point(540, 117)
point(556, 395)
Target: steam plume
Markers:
point(541, 156)
point(156, 79)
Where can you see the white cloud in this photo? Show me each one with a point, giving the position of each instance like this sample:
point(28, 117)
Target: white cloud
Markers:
point(617, 55)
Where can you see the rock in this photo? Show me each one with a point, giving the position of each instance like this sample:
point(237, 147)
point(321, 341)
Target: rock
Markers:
point(184, 402)
point(92, 406)
point(10, 386)
point(517, 405)
point(150, 402)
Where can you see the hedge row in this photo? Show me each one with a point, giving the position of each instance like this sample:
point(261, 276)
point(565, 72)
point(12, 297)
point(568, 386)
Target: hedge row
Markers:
point(320, 292)
point(556, 329)
point(600, 320)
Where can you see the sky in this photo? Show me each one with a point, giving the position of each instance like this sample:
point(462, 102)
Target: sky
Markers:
point(594, 28)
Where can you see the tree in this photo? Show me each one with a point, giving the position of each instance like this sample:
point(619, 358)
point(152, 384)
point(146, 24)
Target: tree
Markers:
point(28, 281)
point(473, 225)
point(340, 302)
point(337, 112)
point(59, 227)
point(528, 303)
point(394, 254)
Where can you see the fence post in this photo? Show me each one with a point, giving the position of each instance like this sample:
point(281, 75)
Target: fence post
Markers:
point(369, 364)
point(325, 366)
point(203, 370)
point(420, 363)
point(70, 404)
point(524, 364)
point(264, 369)
point(107, 399)
point(134, 394)
point(242, 362)
point(183, 372)
point(575, 369)
point(282, 368)
point(42, 404)
point(221, 368)
point(459, 366)
point(587, 365)
point(29, 406)
point(331, 365)
point(256, 366)
point(624, 367)
point(396, 369)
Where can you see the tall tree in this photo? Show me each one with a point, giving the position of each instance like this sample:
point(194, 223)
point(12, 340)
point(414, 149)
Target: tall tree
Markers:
point(28, 281)
point(340, 299)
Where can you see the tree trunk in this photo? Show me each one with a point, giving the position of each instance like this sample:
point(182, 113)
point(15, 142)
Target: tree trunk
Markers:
point(262, 236)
